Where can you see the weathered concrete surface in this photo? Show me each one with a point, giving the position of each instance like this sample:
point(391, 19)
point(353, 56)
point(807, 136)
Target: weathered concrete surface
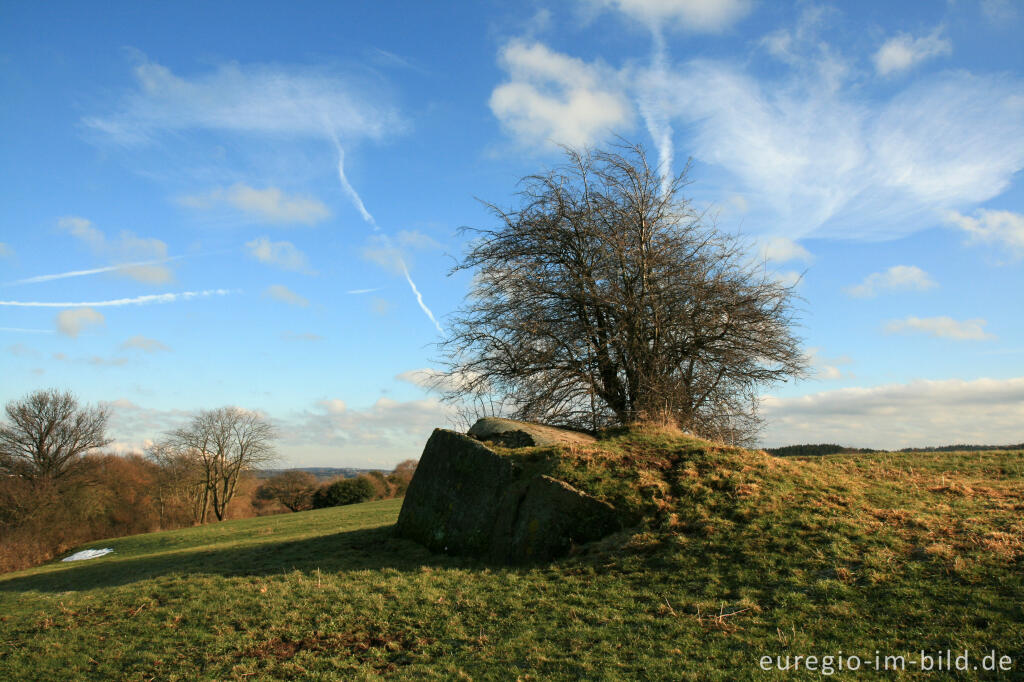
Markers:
point(466, 499)
point(516, 434)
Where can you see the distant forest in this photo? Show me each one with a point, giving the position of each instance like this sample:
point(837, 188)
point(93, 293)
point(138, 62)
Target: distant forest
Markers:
point(820, 449)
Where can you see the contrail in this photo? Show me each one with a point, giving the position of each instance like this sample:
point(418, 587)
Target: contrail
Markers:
point(346, 186)
point(26, 331)
point(652, 107)
point(94, 271)
point(419, 296)
point(138, 300)
point(362, 291)
point(358, 201)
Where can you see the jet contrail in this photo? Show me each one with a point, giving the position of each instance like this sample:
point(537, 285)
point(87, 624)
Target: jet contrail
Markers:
point(358, 201)
point(94, 271)
point(419, 296)
point(362, 291)
point(652, 107)
point(346, 186)
point(26, 331)
point(138, 300)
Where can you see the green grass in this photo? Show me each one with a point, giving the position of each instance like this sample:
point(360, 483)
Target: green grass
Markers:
point(733, 555)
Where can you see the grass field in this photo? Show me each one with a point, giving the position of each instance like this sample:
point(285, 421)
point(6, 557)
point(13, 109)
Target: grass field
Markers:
point(734, 555)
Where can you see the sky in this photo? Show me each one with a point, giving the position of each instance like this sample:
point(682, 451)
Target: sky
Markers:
point(258, 204)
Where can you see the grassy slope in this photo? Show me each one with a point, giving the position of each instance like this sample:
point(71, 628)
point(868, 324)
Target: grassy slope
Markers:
point(735, 555)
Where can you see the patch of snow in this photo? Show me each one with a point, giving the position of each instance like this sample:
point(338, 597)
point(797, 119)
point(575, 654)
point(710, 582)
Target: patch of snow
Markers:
point(88, 554)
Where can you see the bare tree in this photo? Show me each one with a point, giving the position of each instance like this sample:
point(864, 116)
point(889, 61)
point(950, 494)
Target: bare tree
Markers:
point(602, 299)
point(222, 444)
point(181, 490)
point(47, 435)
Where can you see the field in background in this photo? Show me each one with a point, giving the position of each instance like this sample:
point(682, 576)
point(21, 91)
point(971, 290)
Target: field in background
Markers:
point(736, 556)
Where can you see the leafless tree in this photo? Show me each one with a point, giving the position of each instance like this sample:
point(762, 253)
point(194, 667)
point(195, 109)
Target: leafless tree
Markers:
point(181, 492)
point(602, 299)
point(47, 434)
point(222, 444)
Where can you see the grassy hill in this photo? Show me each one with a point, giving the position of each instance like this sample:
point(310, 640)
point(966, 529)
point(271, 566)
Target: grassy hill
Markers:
point(732, 555)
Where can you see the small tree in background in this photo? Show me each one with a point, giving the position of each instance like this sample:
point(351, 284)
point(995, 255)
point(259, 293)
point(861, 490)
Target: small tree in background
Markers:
point(345, 491)
point(47, 435)
point(221, 445)
point(401, 476)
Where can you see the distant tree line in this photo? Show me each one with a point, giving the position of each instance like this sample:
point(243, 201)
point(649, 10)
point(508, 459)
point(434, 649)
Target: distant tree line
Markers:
point(816, 450)
point(964, 448)
point(298, 490)
point(820, 449)
point(58, 489)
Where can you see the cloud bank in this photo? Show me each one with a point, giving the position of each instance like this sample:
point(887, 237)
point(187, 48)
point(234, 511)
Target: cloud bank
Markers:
point(919, 413)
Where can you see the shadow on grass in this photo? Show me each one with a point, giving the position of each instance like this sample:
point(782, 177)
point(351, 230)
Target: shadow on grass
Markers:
point(363, 549)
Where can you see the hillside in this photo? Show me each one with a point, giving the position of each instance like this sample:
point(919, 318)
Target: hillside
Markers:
point(731, 555)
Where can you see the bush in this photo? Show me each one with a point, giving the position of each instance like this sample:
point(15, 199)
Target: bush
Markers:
point(401, 476)
point(345, 491)
point(294, 489)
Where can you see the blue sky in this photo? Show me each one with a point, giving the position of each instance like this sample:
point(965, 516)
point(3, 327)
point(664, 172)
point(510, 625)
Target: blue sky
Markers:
point(243, 203)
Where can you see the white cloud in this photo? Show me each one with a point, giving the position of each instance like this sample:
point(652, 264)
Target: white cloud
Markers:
point(281, 254)
point(281, 293)
point(788, 278)
point(904, 51)
point(82, 228)
point(250, 99)
point(269, 205)
point(1003, 228)
point(826, 368)
point(784, 250)
point(896, 278)
point(552, 99)
point(71, 322)
point(137, 300)
point(333, 406)
point(383, 434)
point(941, 327)
point(811, 156)
point(435, 379)
point(920, 413)
point(144, 344)
point(710, 16)
point(138, 258)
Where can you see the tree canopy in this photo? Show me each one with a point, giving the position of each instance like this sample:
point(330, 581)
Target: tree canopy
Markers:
point(219, 446)
point(47, 434)
point(604, 298)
